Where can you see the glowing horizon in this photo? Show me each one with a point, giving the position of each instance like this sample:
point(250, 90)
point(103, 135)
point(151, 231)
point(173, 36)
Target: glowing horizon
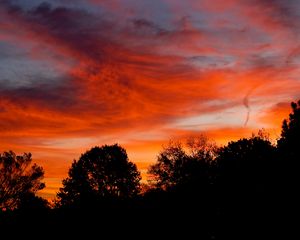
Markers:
point(81, 73)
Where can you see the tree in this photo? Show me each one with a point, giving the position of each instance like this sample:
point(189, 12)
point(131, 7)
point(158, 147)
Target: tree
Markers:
point(247, 183)
point(18, 179)
point(30, 202)
point(100, 173)
point(289, 142)
point(177, 166)
point(246, 165)
point(288, 149)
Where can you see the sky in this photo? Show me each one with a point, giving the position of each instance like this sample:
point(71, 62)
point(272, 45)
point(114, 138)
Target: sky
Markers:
point(79, 73)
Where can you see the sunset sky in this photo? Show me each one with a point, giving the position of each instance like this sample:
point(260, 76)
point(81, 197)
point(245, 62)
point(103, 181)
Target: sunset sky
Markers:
point(80, 73)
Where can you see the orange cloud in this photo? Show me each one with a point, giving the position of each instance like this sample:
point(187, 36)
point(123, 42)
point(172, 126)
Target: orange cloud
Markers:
point(276, 114)
point(140, 74)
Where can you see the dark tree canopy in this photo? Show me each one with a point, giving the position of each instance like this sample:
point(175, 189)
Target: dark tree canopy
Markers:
point(178, 166)
point(18, 179)
point(100, 173)
point(30, 202)
point(290, 140)
point(246, 163)
point(288, 149)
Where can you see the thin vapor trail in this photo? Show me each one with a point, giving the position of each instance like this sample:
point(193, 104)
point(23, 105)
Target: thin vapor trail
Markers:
point(246, 104)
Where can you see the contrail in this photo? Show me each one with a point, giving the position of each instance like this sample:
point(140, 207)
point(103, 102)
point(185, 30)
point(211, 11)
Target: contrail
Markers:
point(246, 104)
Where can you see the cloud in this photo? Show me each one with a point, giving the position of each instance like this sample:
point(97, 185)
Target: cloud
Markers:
point(136, 71)
point(275, 115)
point(137, 64)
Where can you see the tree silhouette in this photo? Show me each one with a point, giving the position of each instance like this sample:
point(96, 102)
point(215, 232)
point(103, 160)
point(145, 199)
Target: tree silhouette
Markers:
point(182, 183)
point(246, 179)
point(247, 164)
point(289, 142)
point(177, 166)
point(288, 148)
point(31, 202)
point(100, 173)
point(18, 179)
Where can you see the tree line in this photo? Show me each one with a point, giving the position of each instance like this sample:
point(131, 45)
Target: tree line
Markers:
point(250, 177)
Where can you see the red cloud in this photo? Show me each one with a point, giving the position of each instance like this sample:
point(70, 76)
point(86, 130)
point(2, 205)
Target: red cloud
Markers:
point(123, 76)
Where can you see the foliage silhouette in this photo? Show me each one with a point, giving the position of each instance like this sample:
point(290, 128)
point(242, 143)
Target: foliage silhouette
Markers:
point(288, 150)
point(18, 179)
point(30, 202)
point(246, 184)
point(177, 166)
point(246, 164)
point(102, 173)
point(289, 141)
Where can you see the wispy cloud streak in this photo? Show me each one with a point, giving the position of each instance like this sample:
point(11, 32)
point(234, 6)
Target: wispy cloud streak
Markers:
point(85, 72)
